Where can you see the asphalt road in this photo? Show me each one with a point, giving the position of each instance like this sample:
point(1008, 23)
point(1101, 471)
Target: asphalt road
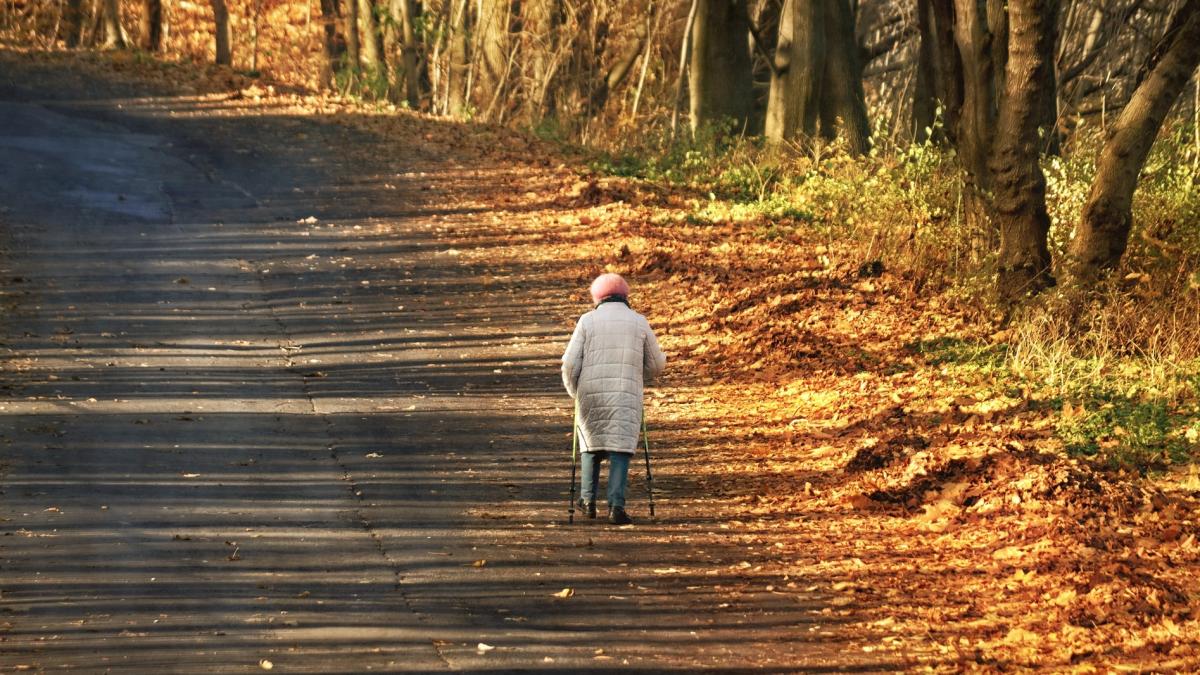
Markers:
point(255, 411)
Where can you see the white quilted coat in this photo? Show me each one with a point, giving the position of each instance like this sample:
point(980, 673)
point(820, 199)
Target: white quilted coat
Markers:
point(611, 353)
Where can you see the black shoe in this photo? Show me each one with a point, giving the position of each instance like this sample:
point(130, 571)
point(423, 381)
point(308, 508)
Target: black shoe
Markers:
point(617, 516)
point(588, 507)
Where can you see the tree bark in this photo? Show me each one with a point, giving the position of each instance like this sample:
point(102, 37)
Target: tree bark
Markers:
point(224, 34)
point(410, 54)
point(151, 25)
point(843, 105)
point(368, 39)
point(939, 72)
point(115, 36)
point(353, 43)
point(494, 38)
point(619, 71)
point(1018, 183)
point(456, 80)
point(72, 26)
point(721, 81)
point(978, 117)
point(793, 105)
point(329, 41)
point(818, 75)
point(1103, 231)
point(542, 19)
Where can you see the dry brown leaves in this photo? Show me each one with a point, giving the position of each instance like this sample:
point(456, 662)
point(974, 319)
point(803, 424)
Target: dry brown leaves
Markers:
point(932, 508)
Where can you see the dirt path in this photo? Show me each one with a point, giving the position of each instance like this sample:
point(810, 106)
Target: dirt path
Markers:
point(257, 406)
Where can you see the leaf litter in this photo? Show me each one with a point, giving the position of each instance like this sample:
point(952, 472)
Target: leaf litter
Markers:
point(933, 506)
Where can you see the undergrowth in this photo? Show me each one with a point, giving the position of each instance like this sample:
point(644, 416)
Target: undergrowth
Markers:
point(1123, 363)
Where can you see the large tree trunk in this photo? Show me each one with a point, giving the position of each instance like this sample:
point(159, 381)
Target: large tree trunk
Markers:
point(72, 25)
point(109, 19)
point(817, 76)
point(457, 104)
point(329, 41)
point(542, 22)
point(494, 21)
point(152, 25)
point(410, 50)
point(619, 71)
point(353, 43)
point(1103, 232)
point(793, 105)
point(721, 68)
point(843, 103)
point(1017, 181)
point(939, 72)
point(368, 38)
point(224, 34)
point(402, 53)
point(976, 124)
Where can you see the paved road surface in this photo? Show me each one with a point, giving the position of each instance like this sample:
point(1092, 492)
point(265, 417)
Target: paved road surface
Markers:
point(254, 408)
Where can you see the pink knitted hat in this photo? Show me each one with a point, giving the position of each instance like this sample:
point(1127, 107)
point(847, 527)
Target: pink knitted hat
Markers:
point(608, 284)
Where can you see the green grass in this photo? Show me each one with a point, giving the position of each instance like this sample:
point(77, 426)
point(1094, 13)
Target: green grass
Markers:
point(1127, 433)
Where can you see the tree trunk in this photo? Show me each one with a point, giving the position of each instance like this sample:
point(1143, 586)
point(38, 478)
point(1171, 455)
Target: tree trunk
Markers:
point(72, 26)
point(410, 53)
point(939, 72)
point(1107, 217)
point(224, 34)
point(843, 100)
point(151, 25)
point(721, 68)
point(456, 81)
point(402, 54)
point(368, 39)
point(978, 117)
point(818, 75)
point(1018, 184)
point(794, 100)
point(494, 41)
point(329, 41)
point(543, 20)
point(619, 71)
point(110, 21)
point(353, 45)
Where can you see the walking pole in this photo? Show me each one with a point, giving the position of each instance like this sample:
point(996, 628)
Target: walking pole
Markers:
point(649, 476)
point(574, 453)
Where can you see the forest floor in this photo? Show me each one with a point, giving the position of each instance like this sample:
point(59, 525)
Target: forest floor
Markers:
point(327, 333)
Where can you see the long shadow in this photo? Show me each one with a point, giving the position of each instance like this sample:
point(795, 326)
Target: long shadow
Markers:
point(257, 428)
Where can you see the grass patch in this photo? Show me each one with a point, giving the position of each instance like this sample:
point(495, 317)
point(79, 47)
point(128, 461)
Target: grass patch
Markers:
point(1128, 433)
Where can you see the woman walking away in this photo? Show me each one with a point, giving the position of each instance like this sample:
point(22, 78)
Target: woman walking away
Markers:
point(611, 353)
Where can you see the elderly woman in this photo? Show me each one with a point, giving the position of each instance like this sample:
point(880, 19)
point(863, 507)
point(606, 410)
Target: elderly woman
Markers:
point(612, 353)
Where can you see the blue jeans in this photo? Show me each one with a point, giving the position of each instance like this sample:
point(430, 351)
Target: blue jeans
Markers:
point(618, 476)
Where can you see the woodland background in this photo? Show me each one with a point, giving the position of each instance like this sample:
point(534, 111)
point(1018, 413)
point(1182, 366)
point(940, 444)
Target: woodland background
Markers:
point(945, 250)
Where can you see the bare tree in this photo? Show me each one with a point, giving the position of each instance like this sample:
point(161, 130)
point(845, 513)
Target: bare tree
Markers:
point(721, 70)
point(370, 49)
point(1019, 185)
point(978, 116)
point(939, 71)
point(543, 20)
point(108, 18)
point(152, 25)
point(1103, 231)
point(224, 34)
point(329, 41)
point(816, 83)
point(457, 103)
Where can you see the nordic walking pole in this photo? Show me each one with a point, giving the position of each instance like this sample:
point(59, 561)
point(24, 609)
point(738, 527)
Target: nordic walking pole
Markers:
point(649, 476)
point(574, 453)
